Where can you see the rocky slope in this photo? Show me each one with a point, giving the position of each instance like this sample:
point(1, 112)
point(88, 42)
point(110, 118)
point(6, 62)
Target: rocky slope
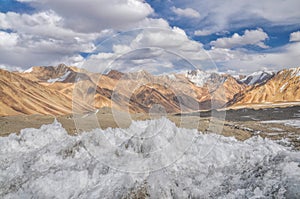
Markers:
point(19, 95)
point(52, 74)
point(282, 87)
point(52, 90)
point(257, 78)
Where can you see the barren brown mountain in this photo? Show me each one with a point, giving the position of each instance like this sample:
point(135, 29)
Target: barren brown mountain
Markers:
point(176, 92)
point(283, 87)
point(52, 90)
point(19, 95)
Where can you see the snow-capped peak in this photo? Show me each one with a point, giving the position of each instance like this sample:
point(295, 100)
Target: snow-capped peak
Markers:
point(258, 77)
point(198, 77)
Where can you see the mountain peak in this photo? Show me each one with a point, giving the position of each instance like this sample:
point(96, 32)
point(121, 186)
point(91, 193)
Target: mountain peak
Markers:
point(293, 72)
point(281, 87)
point(198, 77)
point(194, 89)
point(47, 73)
point(114, 74)
point(259, 77)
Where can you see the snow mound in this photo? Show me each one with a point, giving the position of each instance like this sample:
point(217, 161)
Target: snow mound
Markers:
point(49, 163)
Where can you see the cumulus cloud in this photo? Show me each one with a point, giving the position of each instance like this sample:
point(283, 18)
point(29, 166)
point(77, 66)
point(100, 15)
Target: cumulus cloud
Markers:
point(221, 15)
point(59, 31)
point(8, 40)
point(174, 38)
point(295, 36)
point(187, 12)
point(93, 16)
point(250, 37)
point(28, 52)
point(41, 38)
point(152, 49)
point(243, 61)
point(43, 24)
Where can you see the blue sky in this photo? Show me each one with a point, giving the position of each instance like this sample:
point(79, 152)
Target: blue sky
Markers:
point(15, 6)
point(279, 34)
point(235, 36)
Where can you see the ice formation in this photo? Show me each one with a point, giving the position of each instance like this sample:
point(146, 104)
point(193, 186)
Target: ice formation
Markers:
point(49, 163)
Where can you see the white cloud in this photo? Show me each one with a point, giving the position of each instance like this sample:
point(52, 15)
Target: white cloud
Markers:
point(40, 39)
point(11, 68)
point(243, 61)
point(121, 49)
point(8, 39)
point(150, 23)
point(250, 37)
point(295, 36)
point(202, 32)
point(221, 15)
point(94, 16)
point(151, 49)
point(187, 12)
point(173, 40)
point(62, 29)
point(58, 31)
point(162, 38)
point(44, 24)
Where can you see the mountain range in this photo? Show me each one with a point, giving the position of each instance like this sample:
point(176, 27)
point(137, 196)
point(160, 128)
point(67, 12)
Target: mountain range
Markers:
point(60, 90)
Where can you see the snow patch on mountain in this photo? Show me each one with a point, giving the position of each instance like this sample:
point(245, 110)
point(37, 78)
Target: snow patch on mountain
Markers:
point(60, 79)
point(29, 70)
point(258, 77)
point(283, 87)
point(171, 76)
point(49, 163)
point(198, 77)
point(295, 72)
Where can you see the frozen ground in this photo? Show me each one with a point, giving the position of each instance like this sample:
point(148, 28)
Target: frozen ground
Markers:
point(294, 123)
point(169, 162)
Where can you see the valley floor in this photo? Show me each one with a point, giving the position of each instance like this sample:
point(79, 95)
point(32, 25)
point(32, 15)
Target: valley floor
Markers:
point(274, 123)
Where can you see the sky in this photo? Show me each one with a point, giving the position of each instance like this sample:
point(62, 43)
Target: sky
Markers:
point(236, 37)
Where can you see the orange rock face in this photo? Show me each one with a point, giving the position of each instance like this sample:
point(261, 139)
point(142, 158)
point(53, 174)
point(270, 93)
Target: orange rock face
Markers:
point(61, 90)
point(283, 87)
